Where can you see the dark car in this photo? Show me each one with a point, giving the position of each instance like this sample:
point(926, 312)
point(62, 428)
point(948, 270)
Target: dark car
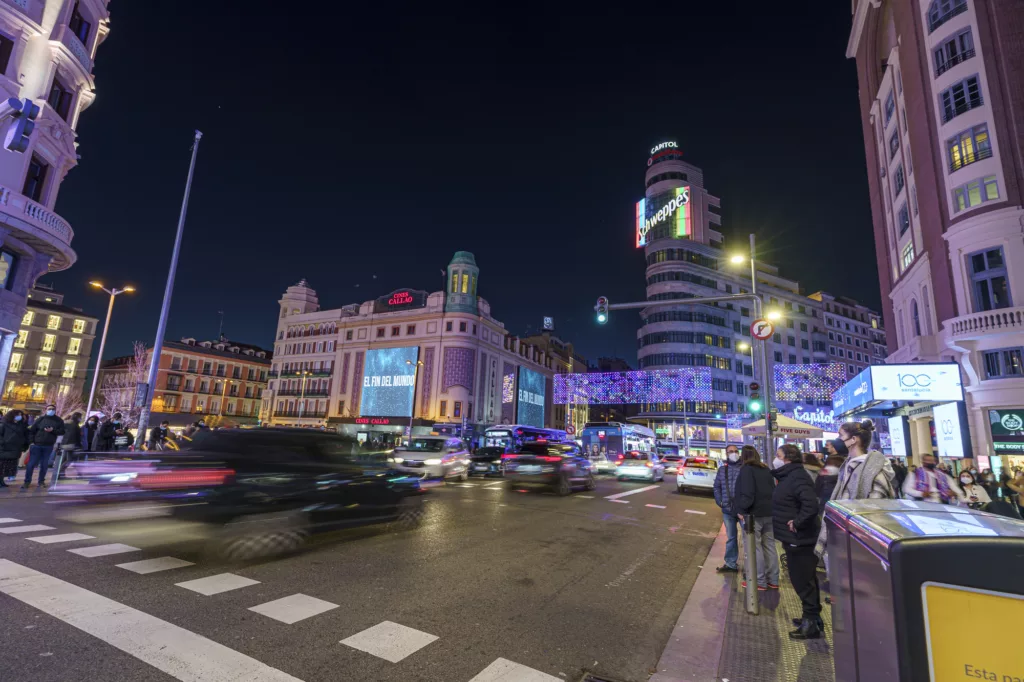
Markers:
point(254, 492)
point(561, 466)
point(486, 462)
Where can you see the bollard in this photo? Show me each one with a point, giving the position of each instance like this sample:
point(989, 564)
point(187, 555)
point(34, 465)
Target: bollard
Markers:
point(750, 565)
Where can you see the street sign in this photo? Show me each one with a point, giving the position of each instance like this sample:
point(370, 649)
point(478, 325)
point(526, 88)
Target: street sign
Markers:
point(762, 329)
point(754, 385)
point(141, 393)
point(570, 430)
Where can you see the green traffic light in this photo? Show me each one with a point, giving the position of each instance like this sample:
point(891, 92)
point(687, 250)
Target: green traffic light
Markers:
point(602, 318)
point(754, 405)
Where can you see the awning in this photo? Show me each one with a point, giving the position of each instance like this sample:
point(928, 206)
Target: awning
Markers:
point(784, 426)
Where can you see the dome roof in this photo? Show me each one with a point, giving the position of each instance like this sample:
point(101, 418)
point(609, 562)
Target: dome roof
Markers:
point(463, 257)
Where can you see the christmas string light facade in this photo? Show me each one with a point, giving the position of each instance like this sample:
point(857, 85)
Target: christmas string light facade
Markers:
point(808, 382)
point(638, 387)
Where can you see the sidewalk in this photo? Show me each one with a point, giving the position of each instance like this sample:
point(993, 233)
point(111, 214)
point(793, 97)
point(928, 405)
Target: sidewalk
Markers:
point(716, 640)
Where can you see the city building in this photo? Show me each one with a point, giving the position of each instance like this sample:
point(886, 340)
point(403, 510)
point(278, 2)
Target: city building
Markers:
point(219, 378)
point(940, 104)
point(856, 335)
point(409, 358)
point(618, 412)
point(46, 55)
point(565, 360)
point(51, 354)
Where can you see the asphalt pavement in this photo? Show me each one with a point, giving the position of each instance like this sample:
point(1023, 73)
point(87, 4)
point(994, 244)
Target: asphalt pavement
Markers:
point(497, 584)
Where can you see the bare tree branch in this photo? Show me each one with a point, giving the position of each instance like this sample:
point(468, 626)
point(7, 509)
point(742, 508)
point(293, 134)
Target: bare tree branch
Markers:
point(117, 392)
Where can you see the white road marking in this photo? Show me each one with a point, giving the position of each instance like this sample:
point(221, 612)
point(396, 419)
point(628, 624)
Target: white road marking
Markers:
point(389, 641)
point(585, 497)
point(103, 550)
point(691, 511)
point(656, 506)
point(215, 584)
point(24, 529)
point(631, 492)
point(163, 563)
point(620, 501)
point(495, 486)
point(10, 520)
point(504, 670)
point(467, 485)
point(180, 653)
point(294, 608)
point(66, 537)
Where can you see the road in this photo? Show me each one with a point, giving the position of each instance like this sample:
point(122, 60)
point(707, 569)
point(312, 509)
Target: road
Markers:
point(497, 584)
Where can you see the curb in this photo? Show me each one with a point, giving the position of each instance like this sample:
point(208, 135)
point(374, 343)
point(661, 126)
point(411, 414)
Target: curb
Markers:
point(694, 648)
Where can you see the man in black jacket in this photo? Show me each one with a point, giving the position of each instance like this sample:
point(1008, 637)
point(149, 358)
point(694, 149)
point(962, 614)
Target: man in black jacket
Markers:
point(795, 521)
point(42, 435)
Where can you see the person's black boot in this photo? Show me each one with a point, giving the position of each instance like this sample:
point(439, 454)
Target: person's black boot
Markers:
point(808, 630)
point(818, 620)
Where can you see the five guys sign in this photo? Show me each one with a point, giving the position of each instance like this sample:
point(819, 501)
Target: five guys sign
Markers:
point(400, 299)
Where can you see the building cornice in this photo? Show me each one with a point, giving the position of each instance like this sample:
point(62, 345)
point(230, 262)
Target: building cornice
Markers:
point(860, 17)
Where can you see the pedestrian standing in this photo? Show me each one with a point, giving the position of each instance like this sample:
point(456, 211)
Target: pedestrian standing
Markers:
point(972, 493)
point(900, 473)
point(826, 481)
point(1016, 489)
point(159, 435)
point(13, 442)
point(754, 506)
point(72, 442)
point(931, 484)
point(89, 432)
point(725, 497)
point(812, 464)
point(795, 522)
point(43, 436)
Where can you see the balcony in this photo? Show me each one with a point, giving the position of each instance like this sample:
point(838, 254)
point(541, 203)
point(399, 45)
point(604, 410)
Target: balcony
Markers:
point(953, 61)
point(38, 226)
point(308, 393)
point(965, 105)
point(935, 19)
point(69, 40)
point(301, 414)
point(986, 323)
point(304, 372)
point(968, 159)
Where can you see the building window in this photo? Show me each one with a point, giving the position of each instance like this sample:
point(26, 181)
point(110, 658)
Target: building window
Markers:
point(410, 330)
point(975, 193)
point(43, 365)
point(457, 409)
point(49, 342)
point(890, 106)
point(894, 144)
point(448, 326)
point(396, 330)
point(941, 11)
point(907, 257)
point(1005, 362)
point(53, 322)
point(78, 327)
point(27, 318)
point(341, 407)
point(903, 219)
point(898, 180)
point(79, 26)
point(957, 49)
point(915, 319)
point(6, 48)
point(35, 178)
point(805, 344)
point(443, 410)
point(22, 339)
point(37, 390)
point(16, 360)
point(462, 326)
point(778, 356)
point(348, 335)
point(960, 97)
point(969, 146)
point(59, 98)
point(792, 359)
point(380, 332)
point(69, 369)
point(988, 275)
point(465, 283)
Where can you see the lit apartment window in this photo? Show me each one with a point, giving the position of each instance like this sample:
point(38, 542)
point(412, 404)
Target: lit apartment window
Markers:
point(969, 146)
point(43, 365)
point(465, 283)
point(78, 327)
point(35, 178)
point(16, 360)
point(975, 193)
point(890, 107)
point(1002, 363)
point(903, 219)
point(22, 339)
point(908, 255)
point(898, 180)
point(53, 322)
point(960, 97)
point(941, 11)
point(49, 342)
point(26, 320)
point(59, 98)
point(988, 275)
point(957, 49)
point(69, 369)
point(37, 390)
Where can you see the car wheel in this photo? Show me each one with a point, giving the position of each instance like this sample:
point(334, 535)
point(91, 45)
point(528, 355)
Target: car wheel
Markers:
point(591, 483)
point(680, 489)
point(564, 486)
point(411, 513)
point(620, 478)
point(463, 477)
point(256, 536)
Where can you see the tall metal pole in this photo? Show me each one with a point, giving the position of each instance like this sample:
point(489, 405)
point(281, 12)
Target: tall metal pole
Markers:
point(766, 373)
point(99, 357)
point(161, 327)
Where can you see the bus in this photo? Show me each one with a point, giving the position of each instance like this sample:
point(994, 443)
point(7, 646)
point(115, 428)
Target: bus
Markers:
point(511, 436)
point(605, 441)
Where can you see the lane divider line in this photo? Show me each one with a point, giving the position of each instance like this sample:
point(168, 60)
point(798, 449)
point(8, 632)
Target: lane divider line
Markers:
point(146, 566)
point(103, 550)
point(10, 520)
point(631, 492)
point(65, 537)
point(655, 506)
point(215, 584)
point(691, 511)
point(585, 497)
point(25, 529)
point(620, 501)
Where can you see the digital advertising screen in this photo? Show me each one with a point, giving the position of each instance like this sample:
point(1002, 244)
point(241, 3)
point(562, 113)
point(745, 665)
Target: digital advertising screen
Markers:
point(949, 430)
point(671, 207)
point(898, 439)
point(1007, 426)
point(937, 382)
point(530, 399)
point(389, 381)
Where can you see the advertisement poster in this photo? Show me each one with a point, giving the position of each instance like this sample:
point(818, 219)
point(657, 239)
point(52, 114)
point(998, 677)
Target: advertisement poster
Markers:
point(949, 430)
point(389, 381)
point(530, 398)
point(1007, 431)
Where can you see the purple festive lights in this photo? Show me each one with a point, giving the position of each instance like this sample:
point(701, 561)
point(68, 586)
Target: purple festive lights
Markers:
point(643, 386)
point(808, 382)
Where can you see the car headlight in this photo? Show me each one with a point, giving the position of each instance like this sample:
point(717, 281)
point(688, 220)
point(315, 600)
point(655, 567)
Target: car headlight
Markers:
point(495, 461)
point(431, 462)
point(398, 460)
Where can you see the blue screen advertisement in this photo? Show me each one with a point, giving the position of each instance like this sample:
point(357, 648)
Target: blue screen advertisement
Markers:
point(530, 398)
point(389, 381)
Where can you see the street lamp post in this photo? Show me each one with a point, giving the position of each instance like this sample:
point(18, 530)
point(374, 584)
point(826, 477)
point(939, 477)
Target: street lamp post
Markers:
point(415, 373)
point(114, 293)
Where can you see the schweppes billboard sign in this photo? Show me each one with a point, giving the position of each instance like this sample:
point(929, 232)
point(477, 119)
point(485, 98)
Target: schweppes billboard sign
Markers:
point(674, 212)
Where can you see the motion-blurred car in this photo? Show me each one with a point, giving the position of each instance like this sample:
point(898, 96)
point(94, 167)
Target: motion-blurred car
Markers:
point(560, 466)
point(434, 457)
point(247, 493)
point(486, 462)
point(670, 456)
point(697, 473)
point(645, 465)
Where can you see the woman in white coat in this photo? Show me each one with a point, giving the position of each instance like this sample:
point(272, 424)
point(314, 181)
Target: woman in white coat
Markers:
point(971, 492)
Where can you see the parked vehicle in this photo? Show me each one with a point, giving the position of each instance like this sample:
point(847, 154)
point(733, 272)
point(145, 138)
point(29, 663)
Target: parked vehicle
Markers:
point(670, 456)
point(605, 441)
point(247, 493)
point(645, 465)
point(486, 462)
point(697, 472)
point(440, 457)
point(561, 466)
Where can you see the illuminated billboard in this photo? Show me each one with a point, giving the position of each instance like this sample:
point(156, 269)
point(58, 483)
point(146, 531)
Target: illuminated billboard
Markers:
point(671, 208)
point(530, 398)
point(389, 381)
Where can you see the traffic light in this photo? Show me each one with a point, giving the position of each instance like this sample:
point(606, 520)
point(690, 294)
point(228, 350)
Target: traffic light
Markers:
point(24, 113)
point(754, 406)
point(602, 310)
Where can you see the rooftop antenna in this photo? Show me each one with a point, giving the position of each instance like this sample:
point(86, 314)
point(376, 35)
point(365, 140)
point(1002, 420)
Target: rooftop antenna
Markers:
point(220, 330)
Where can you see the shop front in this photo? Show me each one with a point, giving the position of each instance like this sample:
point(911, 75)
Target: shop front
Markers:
point(1006, 426)
point(382, 432)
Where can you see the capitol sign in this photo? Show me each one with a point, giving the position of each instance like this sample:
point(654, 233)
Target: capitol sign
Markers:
point(819, 417)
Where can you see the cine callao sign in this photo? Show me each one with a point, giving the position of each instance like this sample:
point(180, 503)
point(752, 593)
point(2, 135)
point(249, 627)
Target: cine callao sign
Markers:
point(676, 210)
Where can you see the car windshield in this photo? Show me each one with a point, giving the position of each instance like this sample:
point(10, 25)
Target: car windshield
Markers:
point(700, 463)
point(641, 456)
point(426, 444)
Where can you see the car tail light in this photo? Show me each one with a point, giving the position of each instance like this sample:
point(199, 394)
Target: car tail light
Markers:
point(548, 458)
point(649, 465)
point(509, 456)
point(184, 478)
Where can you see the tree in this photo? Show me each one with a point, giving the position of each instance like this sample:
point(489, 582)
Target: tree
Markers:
point(117, 392)
point(67, 402)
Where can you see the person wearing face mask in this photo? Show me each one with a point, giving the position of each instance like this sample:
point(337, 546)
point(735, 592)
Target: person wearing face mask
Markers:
point(725, 497)
point(89, 432)
point(779, 460)
point(973, 495)
point(13, 441)
point(754, 506)
point(114, 435)
point(42, 437)
point(931, 484)
point(866, 474)
point(826, 481)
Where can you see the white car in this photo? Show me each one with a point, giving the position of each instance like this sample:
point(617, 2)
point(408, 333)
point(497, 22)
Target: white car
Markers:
point(440, 457)
point(696, 472)
point(645, 465)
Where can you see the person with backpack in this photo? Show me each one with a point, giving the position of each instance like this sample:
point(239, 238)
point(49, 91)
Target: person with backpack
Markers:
point(754, 490)
point(725, 497)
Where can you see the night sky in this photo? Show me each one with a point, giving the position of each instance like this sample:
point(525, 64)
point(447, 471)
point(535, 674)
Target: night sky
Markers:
point(360, 151)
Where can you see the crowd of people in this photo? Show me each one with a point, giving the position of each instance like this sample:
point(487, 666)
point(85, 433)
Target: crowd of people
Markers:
point(784, 503)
